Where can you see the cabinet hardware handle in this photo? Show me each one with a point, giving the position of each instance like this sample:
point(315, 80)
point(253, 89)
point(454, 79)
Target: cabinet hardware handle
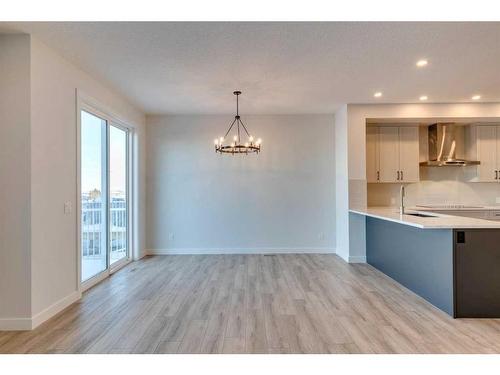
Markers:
point(378, 175)
point(401, 175)
point(496, 175)
point(398, 176)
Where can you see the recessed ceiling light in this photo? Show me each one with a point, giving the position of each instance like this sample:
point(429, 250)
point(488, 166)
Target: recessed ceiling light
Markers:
point(422, 63)
point(423, 97)
point(378, 94)
point(476, 97)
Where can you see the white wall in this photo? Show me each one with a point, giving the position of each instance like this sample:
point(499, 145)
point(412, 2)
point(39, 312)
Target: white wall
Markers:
point(15, 272)
point(53, 159)
point(341, 183)
point(38, 149)
point(280, 200)
point(350, 189)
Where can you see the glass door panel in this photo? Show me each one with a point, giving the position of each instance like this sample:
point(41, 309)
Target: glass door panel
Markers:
point(118, 194)
point(93, 196)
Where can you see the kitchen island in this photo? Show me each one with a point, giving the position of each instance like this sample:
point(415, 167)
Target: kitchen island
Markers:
point(451, 261)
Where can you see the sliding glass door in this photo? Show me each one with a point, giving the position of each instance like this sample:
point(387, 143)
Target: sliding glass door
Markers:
point(118, 215)
point(104, 205)
point(93, 195)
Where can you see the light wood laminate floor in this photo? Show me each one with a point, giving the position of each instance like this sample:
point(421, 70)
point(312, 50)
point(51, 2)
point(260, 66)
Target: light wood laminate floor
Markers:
point(253, 304)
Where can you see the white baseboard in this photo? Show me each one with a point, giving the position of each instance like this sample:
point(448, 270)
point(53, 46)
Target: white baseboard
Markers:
point(343, 257)
point(52, 310)
point(26, 324)
point(200, 251)
point(357, 259)
point(352, 259)
point(141, 255)
point(15, 324)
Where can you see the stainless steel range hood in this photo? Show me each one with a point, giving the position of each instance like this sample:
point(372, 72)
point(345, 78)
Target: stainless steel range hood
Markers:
point(442, 147)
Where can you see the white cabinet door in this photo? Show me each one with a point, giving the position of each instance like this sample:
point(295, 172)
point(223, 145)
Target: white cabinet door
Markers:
point(372, 154)
point(487, 153)
point(389, 153)
point(409, 165)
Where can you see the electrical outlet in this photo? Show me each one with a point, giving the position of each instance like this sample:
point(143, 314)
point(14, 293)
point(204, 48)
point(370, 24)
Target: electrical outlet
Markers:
point(68, 208)
point(321, 236)
point(497, 200)
point(170, 236)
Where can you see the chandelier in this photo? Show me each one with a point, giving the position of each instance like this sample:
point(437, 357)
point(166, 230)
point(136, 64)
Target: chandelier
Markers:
point(237, 146)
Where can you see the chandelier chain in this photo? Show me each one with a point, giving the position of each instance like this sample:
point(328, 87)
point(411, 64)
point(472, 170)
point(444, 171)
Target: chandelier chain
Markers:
point(230, 128)
point(244, 127)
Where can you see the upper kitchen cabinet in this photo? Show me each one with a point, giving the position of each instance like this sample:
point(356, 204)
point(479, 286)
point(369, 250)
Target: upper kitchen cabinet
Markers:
point(409, 154)
point(388, 146)
point(484, 146)
point(372, 152)
point(392, 154)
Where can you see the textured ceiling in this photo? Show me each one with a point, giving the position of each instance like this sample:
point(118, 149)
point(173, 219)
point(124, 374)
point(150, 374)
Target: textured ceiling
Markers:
point(307, 67)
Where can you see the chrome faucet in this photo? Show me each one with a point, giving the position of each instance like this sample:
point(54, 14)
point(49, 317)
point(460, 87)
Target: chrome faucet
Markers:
point(402, 200)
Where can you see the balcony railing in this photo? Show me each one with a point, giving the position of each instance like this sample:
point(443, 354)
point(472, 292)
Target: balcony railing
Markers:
point(93, 215)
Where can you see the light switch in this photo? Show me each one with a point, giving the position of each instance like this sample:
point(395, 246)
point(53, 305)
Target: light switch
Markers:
point(67, 208)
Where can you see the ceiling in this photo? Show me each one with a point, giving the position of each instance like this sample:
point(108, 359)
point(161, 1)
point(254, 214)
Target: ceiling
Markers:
point(308, 67)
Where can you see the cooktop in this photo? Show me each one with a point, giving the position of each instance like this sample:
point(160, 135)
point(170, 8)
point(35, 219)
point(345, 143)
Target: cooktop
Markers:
point(458, 206)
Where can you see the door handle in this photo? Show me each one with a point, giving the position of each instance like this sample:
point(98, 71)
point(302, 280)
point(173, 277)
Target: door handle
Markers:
point(398, 176)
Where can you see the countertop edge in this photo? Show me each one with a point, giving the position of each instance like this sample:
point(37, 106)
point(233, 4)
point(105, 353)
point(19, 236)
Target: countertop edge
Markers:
point(382, 217)
point(457, 222)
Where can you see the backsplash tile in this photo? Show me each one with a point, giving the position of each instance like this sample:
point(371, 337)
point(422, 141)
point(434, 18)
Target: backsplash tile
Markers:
point(440, 186)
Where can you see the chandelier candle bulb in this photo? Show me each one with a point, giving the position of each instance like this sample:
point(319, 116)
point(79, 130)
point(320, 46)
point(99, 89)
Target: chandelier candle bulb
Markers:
point(236, 147)
point(422, 63)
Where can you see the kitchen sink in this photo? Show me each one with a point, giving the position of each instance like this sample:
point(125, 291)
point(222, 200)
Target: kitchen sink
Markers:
point(420, 215)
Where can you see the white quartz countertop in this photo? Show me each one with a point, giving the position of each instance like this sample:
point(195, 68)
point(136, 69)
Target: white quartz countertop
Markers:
point(439, 221)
